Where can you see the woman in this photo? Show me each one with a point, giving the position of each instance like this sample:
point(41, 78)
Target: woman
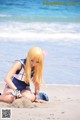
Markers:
point(20, 75)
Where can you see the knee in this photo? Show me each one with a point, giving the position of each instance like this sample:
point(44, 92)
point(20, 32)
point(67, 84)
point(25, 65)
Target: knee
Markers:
point(9, 98)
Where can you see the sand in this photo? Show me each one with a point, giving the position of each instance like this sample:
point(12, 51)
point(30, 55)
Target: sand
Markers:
point(64, 104)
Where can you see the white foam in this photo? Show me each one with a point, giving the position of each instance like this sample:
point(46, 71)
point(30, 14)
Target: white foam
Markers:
point(5, 15)
point(39, 31)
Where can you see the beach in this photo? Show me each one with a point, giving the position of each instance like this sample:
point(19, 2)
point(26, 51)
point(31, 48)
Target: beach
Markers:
point(61, 74)
point(63, 104)
point(55, 27)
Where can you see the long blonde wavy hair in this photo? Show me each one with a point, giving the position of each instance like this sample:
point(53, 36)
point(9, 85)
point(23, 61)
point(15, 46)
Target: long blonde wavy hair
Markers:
point(37, 54)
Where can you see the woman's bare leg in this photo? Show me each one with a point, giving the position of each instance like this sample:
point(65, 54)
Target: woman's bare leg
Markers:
point(27, 94)
point(30, 96)
point(7, 96)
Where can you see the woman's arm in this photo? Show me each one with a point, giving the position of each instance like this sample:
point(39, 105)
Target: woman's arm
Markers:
point(15, 67)
point(37, 89)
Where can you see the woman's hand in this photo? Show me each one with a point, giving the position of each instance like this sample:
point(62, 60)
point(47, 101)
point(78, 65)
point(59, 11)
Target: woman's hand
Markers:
point(39, 101)
point(17, 93)
point(19, 96)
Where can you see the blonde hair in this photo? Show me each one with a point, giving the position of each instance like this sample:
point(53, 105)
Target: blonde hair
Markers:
point(37, 53)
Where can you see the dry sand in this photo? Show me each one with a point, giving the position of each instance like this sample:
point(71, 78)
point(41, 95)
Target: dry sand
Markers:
point(64, 104)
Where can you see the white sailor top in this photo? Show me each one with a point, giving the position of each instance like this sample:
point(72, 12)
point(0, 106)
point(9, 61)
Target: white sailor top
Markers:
point(20, 74)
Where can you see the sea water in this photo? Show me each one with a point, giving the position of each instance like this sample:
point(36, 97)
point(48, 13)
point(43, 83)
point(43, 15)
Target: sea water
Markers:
point(51, 24)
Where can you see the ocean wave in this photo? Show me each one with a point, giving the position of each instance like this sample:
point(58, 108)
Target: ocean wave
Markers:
point(5, 15)
point(39, 31)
